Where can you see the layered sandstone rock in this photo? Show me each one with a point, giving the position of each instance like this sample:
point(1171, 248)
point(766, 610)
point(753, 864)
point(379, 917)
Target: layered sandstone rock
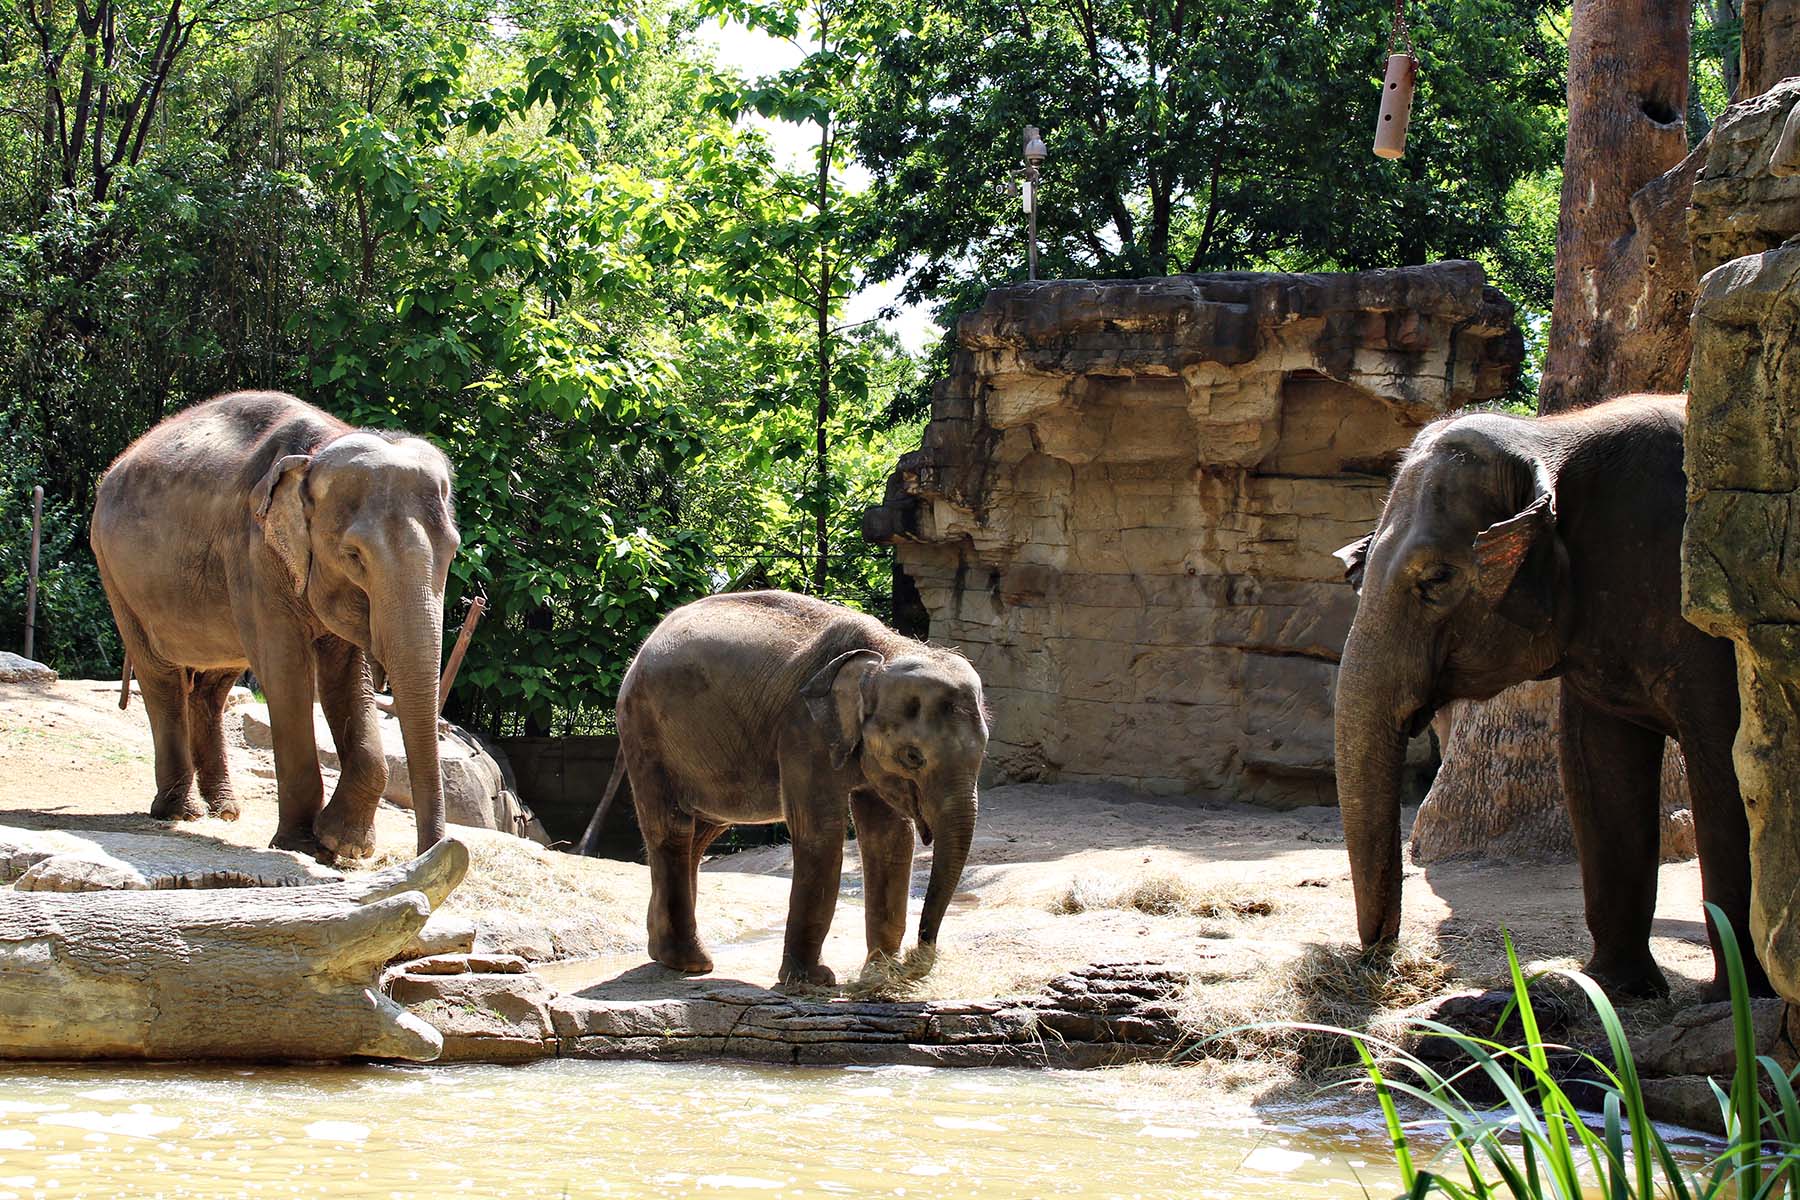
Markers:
point(1742, 542)
point(1127, 498)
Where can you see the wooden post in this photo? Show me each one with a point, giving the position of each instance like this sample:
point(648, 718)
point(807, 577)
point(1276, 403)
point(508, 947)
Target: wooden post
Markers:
point(31, 573)
point(477, 606)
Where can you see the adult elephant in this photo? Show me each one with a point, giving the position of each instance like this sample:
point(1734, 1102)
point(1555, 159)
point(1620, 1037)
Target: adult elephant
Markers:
point(1513, 549)
point(758, 707)
point(254, 530)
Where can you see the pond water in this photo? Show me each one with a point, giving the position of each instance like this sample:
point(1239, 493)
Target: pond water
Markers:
point(629, 1129)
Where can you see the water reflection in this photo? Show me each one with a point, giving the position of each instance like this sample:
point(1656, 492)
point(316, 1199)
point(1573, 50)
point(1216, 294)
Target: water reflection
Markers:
point(627, 1129)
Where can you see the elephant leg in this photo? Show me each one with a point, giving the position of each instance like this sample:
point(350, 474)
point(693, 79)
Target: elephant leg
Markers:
point(283, 663)
point(206, 740)
point(1611, 772)
point(818, 866)
point(166, 690)
point(346, 826)
point(1722, 834)
point(884, 839)
point(669, 847)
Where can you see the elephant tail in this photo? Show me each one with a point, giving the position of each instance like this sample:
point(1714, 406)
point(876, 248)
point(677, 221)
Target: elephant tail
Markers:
point(592, 835)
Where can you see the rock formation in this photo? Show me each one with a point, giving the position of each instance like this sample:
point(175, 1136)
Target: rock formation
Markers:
point(1742, 539)
point(260, 973)
point(1127, 498)
point(475, 791)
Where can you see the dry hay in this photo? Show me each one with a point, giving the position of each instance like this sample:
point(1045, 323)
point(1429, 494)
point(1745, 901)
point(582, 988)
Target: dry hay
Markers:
point(1282, 1012)
point(987, 965)
point(1162, 895)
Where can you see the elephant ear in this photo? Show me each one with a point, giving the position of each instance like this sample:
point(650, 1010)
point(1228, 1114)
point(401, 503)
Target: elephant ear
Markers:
point(837, 700)
point(1515, 565)
point(1354, 557)
point(278, 503)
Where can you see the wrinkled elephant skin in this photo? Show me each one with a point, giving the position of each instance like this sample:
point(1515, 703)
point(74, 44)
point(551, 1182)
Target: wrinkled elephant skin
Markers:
point(758, 707)
point(254, 530)
point(1512, 549)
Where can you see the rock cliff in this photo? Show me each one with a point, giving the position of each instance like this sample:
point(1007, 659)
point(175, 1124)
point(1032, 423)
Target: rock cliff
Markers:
point(1742, 542)
point(1127, 497)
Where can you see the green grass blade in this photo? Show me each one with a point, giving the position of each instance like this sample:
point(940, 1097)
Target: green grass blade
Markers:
point(1744, 1124)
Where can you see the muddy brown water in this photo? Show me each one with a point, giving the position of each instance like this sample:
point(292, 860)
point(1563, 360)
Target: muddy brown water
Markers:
point(655, 1130)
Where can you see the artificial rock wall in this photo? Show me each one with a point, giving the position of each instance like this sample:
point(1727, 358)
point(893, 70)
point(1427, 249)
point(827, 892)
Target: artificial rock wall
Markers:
point(1128, 495)
point(1741, 546)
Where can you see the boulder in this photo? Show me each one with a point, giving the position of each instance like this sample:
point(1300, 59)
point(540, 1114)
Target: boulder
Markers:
point(475, 794)
point(18, 669)
point(1742, 536)
point(1127, 498)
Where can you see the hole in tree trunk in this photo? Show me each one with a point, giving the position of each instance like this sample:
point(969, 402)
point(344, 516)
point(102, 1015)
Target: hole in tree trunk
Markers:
point(1660, 111)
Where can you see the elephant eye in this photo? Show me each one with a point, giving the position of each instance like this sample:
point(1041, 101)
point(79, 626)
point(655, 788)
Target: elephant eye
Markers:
point(1434, 580)
point(911, 711)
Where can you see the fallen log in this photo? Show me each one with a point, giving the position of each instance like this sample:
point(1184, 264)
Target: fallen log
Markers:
point(264, 973)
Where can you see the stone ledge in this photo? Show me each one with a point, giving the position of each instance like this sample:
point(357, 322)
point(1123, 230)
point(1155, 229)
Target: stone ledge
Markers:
point(1098, 1016)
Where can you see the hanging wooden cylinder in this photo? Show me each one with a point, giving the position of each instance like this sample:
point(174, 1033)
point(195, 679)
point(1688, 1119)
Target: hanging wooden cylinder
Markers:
point(1396, 105)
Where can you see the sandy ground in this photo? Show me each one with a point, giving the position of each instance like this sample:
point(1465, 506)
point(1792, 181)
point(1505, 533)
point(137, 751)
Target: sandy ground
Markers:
point(1248, 901)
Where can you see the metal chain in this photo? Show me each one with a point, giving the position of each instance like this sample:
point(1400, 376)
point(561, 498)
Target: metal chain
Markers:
point(1400, 36)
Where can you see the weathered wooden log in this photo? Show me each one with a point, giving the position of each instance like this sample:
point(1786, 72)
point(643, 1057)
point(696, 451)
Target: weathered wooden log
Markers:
point(229, 973)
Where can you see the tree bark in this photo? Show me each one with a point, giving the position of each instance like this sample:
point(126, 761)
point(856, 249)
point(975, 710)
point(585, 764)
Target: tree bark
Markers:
point(230, 973)
point(1771, 46)
point(1628, 87)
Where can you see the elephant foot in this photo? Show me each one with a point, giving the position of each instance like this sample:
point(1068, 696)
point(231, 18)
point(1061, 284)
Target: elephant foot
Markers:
point(690, 958)
point(813, 975)
point(302, 841)
point(223, 806)
point(1638, 979)
point(345, 835)
point(177, 806)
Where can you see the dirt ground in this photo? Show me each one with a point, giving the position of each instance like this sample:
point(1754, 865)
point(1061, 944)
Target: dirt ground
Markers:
point(1250, 903)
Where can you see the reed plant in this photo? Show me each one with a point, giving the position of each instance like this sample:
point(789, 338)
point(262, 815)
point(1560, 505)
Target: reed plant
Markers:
point(1536, 1144)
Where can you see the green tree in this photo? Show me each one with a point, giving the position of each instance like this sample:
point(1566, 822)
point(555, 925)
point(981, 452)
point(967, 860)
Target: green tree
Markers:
point(1194, 135)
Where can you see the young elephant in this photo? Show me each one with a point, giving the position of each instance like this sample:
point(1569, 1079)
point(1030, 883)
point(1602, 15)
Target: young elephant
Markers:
point(759, 707)
point(254, 530)
point(1512, 549)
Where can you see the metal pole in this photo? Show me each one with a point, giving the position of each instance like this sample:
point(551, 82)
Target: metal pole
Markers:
point(37, 522)
point(1031, 182)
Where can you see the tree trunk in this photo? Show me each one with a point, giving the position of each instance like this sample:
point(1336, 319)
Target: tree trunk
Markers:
point(1771, 46)
point(1628, 85)
point(231, 973)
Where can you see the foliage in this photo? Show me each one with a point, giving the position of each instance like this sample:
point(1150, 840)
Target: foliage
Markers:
point(504, 235)
point(74, 628)
point(1196, 135)
point(1539, 1144)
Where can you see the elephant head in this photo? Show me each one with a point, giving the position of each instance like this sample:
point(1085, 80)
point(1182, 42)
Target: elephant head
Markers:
point(363, 531)
point(1462, 593)
point(916, 725)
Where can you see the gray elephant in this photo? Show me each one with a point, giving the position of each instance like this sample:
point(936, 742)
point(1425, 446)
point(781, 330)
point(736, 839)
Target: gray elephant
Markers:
point(758, 707)
point(1513, 549)
point(255, 531)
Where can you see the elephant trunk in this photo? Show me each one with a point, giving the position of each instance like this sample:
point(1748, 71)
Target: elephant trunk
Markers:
point(411, 638)
point(953, 831)
point(1370, 751)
